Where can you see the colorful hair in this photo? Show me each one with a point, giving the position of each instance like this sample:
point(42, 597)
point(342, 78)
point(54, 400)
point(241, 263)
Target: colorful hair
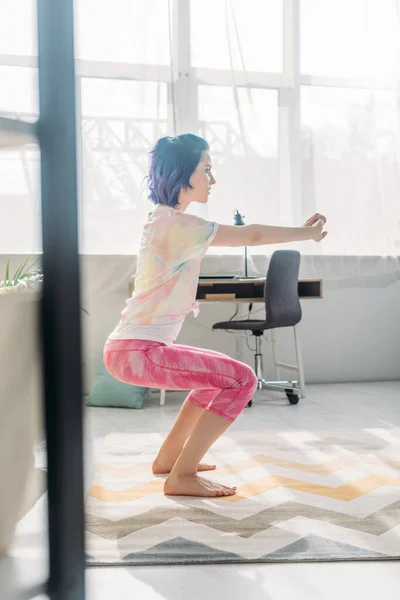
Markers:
point(173, 161)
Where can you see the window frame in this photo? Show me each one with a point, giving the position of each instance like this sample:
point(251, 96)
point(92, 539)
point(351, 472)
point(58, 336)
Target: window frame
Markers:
point(182, 94)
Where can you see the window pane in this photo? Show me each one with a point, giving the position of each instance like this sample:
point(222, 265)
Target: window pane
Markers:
point(243, 35)
point(242, 132)
point(18, 27)
point(20, 201)
point(19, 168)
point(19, 91)
point(349, 39)
point(123, 31)
point(349, 167)
point(121, 122)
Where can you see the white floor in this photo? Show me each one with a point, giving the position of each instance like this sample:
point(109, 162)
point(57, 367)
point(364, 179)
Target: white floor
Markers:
point(340, 406)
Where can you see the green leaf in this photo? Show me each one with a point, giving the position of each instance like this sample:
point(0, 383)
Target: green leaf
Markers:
point(84, 310)
point(35, 271)
point(8, 270)
point(36, 265)
point(19, 271)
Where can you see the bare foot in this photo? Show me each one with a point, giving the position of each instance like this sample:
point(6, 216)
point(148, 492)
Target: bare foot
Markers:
point(193, 485)
point(160, 467)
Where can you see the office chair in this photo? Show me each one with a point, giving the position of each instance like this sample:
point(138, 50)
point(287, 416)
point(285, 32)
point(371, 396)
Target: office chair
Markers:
point(283, 309)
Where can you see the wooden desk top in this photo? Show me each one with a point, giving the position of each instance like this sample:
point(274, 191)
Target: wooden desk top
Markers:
point(257, 280)
point(248, 290)
point(244, 290)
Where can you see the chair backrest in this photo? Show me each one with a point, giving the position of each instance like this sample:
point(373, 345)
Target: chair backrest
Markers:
point(281, 290)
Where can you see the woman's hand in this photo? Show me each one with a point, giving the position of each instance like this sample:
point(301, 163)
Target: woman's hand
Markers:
point(317, 222)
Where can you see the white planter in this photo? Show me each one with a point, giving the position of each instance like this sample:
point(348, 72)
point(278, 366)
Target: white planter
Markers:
point(21, 423)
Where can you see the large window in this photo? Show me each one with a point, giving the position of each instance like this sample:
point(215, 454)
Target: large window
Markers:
point(350, 164)
point(19, 168)
point(355, 39)
point(127, 31)
point(120, 121)
point(245, 166)
point(239, 35)
point(299, 100)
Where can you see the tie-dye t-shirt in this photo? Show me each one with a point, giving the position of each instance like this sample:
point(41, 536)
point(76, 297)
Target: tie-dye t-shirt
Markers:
point(172, 246)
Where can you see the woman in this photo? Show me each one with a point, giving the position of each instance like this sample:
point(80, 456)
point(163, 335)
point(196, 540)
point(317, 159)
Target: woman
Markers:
point(141, 349)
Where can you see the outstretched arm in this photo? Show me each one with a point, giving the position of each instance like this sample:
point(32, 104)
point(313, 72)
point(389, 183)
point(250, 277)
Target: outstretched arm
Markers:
point(260, 235)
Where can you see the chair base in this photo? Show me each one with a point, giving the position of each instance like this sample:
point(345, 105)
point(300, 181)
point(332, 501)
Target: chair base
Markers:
point(291, 387)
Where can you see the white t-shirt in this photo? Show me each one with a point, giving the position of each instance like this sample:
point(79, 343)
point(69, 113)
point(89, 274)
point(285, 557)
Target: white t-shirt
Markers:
point(172, 246)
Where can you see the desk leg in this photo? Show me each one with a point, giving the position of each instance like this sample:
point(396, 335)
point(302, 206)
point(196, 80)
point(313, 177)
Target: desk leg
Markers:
point(238, 348)
point(300, 364)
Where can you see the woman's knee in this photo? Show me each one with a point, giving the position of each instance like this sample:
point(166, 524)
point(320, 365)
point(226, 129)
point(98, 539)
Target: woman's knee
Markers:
point(248, 385)
point(248, 377)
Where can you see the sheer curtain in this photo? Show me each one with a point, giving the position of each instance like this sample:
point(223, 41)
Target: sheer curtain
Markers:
point(123, 51)
point(298, 99)
point(350, 133)
point(327, 139)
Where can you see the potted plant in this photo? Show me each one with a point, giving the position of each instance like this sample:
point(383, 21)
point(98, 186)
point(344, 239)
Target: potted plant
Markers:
point(20, 391)
point(27, 276)
point(21, 419)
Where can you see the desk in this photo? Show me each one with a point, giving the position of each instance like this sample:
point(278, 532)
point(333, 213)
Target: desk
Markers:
point(244, 290)
point(241, 290)
point(248, 290)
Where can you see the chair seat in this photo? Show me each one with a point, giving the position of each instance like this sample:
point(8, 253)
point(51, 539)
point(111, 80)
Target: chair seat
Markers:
point(247, 324)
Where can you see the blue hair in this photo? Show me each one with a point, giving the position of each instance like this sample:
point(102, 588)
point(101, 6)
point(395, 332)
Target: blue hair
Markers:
point(173, 161)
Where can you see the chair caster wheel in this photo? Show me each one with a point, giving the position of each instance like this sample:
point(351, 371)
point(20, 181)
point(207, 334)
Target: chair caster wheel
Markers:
point(293, 398)
point(250, 402)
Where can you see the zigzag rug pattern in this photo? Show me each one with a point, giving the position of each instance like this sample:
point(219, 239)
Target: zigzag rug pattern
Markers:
point(301, 496)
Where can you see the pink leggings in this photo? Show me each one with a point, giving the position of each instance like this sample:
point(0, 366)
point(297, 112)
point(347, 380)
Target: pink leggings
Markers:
point(219, 383)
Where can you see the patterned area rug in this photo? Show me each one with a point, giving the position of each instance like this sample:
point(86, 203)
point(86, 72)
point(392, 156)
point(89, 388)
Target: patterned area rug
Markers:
point(301, 496)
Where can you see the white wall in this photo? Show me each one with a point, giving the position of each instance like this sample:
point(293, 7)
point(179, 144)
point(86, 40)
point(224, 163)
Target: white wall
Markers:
point(352, 334)
point(349, 335)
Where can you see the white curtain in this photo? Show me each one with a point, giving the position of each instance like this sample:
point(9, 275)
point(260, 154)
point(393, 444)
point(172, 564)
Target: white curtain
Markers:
point(350, 133)
point(299, 100)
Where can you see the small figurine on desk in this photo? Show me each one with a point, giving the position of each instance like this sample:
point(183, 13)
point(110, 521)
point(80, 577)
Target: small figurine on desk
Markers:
point(238, 218)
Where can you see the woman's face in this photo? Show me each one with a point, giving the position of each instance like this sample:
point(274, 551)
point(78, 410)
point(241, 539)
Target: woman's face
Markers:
point(201, 181)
